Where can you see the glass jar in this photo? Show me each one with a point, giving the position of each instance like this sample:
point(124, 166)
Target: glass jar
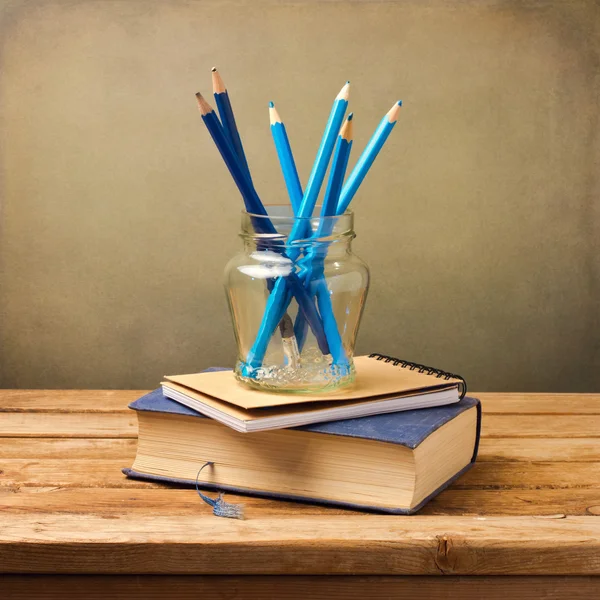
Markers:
point(296, 294)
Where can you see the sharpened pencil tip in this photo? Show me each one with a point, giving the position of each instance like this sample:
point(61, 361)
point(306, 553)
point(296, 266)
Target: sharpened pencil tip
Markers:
point(344, 92)
point(346, 131)
point(393, 113)
point(399, 102)
point(218, 85)
point(203, 105)
point(273, 114)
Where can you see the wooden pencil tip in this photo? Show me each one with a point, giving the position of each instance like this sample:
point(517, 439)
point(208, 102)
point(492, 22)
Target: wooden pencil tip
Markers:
point(203, 105)
point(344, 92)
point(273, 114)
point(218, 85)
point(393, 113)
point(399, 102)
point(347, 128)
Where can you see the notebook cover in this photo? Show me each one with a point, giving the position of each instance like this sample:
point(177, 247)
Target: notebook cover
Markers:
point(377, 376)
point(409, 429)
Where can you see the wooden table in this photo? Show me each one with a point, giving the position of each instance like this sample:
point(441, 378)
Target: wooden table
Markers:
point(525, 522)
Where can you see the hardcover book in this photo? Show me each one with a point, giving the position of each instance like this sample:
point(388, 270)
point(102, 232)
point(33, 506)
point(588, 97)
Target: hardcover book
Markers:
point(392, 463)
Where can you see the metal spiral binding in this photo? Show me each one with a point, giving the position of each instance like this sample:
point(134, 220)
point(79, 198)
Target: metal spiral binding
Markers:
point(406, 364)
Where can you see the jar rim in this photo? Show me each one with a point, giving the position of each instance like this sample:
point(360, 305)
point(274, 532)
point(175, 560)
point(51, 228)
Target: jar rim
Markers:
point(286, 217)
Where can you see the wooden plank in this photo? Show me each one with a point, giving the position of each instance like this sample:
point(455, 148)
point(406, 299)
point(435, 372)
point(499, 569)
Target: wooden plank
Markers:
point(123, 449)
point(536, 449)
point(107, 473)
point(124, 425)
point(117, 400)
point(174, 501)
point(490, 449)
point(91, 425)
point(88, 472)
point(66, 401)
point(540, 426)
point(316, 545)
point(509, 502)
point(541, 404)
point(531, 475)
point(143, 501)
point(110, 401)
point(290, 587)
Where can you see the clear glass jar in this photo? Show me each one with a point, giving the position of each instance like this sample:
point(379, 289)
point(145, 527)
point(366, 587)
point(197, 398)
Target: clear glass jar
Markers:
point(296, 294)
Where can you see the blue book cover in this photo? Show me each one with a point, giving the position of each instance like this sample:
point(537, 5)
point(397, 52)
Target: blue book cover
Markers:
point(407, 428)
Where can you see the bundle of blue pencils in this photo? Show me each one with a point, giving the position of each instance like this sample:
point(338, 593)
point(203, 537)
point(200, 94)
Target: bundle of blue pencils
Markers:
point(314, 302)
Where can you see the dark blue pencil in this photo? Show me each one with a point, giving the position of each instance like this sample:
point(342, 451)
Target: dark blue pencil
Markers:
point(228, 119)
point(255, 206)
point(249, 195)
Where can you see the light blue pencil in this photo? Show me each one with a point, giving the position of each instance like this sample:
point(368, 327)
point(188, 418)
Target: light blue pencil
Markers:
point(278, 297)
point(286, 158)
point(314, 271)
point(367, 157)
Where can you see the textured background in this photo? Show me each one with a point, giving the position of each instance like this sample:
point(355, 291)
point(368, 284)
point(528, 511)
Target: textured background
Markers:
point(480, 220)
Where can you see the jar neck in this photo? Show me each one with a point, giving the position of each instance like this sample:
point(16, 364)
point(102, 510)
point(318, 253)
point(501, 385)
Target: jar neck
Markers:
point(281, 232)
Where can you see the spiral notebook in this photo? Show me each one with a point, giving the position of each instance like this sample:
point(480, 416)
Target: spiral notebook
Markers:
point(383, 385)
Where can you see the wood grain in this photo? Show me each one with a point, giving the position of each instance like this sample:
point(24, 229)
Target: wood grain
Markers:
point(124, 425)
point(540, 426)
point(490, 449)
point(117, 400)
point(530, 506)
point(91, 472)
point(163, 500)
point(32, 447)
point(540, 404)
point(66, 401)
point(539, 449)
point(290, 587)
point(307, 544)
point(69, 425)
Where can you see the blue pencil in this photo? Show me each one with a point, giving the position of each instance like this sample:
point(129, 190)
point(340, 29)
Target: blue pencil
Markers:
point(338, 171)
point(279, 296)
point(367, 157)
point(317, 175)
point(314, 271)
point(286, 158)
point(255, 206)
point(228, 119)
point(249, 195)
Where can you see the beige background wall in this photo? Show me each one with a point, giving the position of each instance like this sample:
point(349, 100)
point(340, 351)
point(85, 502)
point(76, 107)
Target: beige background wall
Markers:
point(480, 220)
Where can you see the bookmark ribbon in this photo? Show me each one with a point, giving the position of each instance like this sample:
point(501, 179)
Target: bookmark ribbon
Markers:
point(219, 506)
